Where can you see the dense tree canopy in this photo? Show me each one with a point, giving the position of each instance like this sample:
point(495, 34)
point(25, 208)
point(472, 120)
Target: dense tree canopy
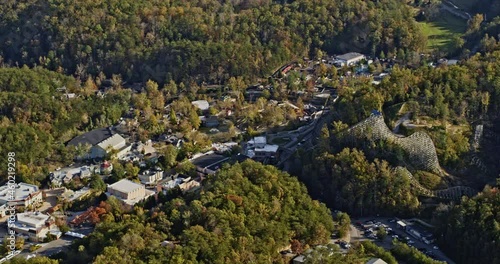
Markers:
point(474, 228)
point(246, 213)
point(37, 117)
point(200, 40)
point(350, 182)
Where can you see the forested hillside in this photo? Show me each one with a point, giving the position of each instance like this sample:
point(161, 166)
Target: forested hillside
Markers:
point(37, 120)
point(245, 214)
point(349, 182)
point(445, 102)
point(474, 228)
point(196, 40)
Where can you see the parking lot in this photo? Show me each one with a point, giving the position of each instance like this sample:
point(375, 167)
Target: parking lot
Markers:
point(360, 230)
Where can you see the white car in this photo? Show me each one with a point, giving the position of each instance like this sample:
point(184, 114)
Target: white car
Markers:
point(435, 247)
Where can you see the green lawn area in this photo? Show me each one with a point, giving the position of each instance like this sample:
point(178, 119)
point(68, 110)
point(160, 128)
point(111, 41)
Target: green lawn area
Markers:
point(440, 32)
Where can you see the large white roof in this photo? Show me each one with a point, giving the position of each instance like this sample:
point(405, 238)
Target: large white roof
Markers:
point(260, 140)
point(21, 192)
point(113, 142)
point(32, 218)
point(125, 186)
point(267, 148)
point(201, 104)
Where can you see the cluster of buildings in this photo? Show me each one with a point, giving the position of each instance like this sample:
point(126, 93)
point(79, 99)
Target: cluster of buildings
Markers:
point(257, 148)
point(32, 225)
point(66, 175)
point(184, 182)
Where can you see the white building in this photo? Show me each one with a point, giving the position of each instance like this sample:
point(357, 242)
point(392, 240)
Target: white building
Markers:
point(268, 151)
point(185, 184)
point(350, 58)
point(36, 225)
point(22, 195)
point(258, 148)
point(150, 177)
point(128, 192)
point(257, 142)
point(70, 195)
point(201, 104)
point(115, 142)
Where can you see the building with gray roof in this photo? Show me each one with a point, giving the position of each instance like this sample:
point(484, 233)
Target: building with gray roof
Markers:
point(101, 142)
point(350, 58)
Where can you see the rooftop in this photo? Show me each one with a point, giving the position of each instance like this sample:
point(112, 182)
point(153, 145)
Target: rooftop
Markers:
point(258, 140)
point(113, 141)
point(268, 148)
point(150, 172)
point(22, 192)
point(172, 183)
point(376, 261)
point(125, 186)
point(92, 137)
point(401, 223)
point(201, 104)
point(208, 160)
point(350, 56)
point(71, 195)
point(32, 218)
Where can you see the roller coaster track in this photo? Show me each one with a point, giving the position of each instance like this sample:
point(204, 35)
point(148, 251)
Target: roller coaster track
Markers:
point(452, 193)
point(418, 146)
point(420, 149)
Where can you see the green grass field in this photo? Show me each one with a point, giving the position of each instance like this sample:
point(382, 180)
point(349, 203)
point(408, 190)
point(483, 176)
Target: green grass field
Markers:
point(440, 32)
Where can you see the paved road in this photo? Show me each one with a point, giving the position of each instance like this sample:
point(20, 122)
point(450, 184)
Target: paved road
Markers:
point(55, 246)
point(357, 235)
point(453, 9)
point(48, 249)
